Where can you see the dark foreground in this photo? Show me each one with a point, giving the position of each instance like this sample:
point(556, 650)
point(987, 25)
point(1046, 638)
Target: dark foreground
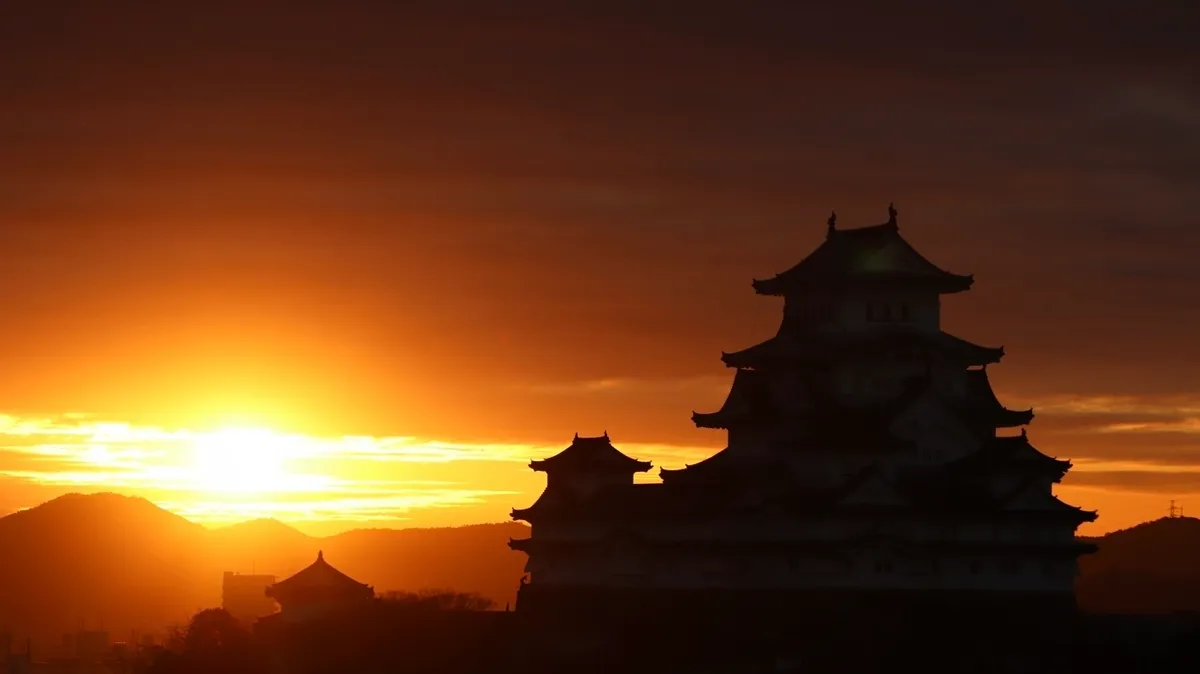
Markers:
point(928, 638)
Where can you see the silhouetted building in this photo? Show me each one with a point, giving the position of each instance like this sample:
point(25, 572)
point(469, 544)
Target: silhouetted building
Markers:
point(245, 596)
point(865, 458)
point(91, 645)
point(317, 590)
point(19, 663)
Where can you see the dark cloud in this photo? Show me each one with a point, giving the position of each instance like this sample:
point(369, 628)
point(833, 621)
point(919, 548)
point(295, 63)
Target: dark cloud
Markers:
point(1100, 422)
point(1134, 430)
point(426, 202)
point(1153, 482)
point(1160, 449)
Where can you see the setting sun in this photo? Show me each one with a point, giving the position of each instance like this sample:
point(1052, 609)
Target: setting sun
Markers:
point(242, 460)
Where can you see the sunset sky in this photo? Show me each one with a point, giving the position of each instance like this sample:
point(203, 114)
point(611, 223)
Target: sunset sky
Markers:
point(354, 264)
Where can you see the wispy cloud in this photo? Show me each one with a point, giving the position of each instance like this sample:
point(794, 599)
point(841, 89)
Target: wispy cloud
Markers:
point(240, 473)
point(393, 506)
point(629, 386)
point(1119, 444)
point(1149, 430)
point(416, 450)
point(1139, 480)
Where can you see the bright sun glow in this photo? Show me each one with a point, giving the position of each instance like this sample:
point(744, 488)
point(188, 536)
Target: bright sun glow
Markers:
point(241, 471)
point(241, 460)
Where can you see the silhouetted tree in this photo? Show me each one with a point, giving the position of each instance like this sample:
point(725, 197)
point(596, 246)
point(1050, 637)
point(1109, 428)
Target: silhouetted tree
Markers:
point(213, 629)
point(213, 641)
point(441, 600)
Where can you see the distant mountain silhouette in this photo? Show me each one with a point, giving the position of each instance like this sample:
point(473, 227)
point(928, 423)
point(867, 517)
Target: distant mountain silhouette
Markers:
point(263, 546)
point(129, 564)
point(1150, 568)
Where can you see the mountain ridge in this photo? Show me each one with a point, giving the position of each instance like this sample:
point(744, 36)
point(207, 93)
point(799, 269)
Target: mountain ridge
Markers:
point(133, 565)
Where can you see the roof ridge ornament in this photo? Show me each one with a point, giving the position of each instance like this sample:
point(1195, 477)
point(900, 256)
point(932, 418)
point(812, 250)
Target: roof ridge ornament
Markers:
point(320, 555)
point(892, 213)
point(832, 222)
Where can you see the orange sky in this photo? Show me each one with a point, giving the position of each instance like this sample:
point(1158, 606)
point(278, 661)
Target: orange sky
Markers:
point(492, 231)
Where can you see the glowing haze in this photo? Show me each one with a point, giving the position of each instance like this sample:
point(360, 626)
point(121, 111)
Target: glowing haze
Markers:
point(354, 264)
point(231, 474)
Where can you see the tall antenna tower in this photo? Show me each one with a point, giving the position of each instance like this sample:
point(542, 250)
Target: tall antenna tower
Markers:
point(1174, 511)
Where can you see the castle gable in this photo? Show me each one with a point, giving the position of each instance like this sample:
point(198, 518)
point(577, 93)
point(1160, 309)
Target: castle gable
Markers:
point(1031, 495)
point(872, 489)
point(894, 256)
point(934, 427)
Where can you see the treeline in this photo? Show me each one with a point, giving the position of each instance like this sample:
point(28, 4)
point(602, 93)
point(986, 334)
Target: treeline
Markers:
point(430, 630)
point(440, 600)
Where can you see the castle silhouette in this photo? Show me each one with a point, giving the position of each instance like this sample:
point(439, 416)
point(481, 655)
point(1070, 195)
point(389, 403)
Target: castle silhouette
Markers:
point(868, 458)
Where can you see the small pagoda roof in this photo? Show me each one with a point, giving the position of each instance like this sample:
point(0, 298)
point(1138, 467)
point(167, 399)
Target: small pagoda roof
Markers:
point(981, 402)
point(866, 255)
point(318, 575)
point(1011, 454)
point(595, 454)
point(749, 397)
point(820, 347)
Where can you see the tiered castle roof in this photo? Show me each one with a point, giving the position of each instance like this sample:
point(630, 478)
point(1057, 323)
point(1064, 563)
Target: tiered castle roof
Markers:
point(785, 385)
point(591, 455)
point(1011, 455)
point(798, 348)
point(860, 258)
point(982, 404)
point(751, 400)
point(866, 492)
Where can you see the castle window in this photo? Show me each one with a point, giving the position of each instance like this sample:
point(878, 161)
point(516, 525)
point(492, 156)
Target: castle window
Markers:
point(904, 314)
point(870, 311)
point(974, 567)
point(1010, 566)
point(883, 566)
point(887, 312)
